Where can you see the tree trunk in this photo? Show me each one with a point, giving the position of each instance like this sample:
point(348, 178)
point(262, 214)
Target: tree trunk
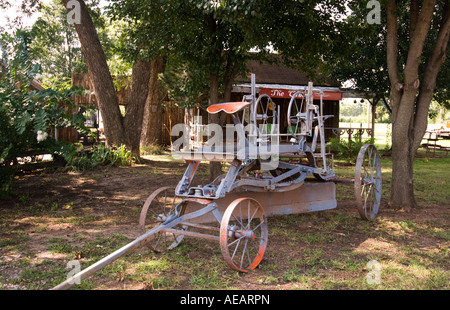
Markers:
point(230, 74)
point(220, 118)
point(215, 168)
point(136, 104)
point(100, 77)
point(402, 187)
point(410, 104)
point(152, 123)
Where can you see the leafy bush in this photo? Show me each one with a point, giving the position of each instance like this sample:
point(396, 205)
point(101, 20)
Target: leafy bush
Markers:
point(153, 149)
point(100, 155)
point(28, 116)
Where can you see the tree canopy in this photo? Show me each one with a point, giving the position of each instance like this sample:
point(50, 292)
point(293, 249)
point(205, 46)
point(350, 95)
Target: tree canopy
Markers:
point(367, 66)
point(215, 37)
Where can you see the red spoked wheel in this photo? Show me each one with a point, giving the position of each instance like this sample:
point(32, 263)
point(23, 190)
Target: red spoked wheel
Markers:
point(243, 234)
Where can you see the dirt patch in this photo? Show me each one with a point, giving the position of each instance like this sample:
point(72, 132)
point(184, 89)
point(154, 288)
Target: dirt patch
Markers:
point(78, 207)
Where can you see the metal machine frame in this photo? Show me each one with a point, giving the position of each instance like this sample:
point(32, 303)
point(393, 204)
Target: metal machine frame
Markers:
point(233, 209)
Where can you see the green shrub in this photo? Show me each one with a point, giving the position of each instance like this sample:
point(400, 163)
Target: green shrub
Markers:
point(28, 116)
point(100, 155)
point(153, 149)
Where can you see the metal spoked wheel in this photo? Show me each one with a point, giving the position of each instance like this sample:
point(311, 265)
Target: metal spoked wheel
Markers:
point(265, 115)
point(243, 234)
point(296, 114)
point(368, 182)
point(158, 208)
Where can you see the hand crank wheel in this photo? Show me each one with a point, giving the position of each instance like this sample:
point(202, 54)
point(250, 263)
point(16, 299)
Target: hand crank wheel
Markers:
point(243, 234)
point(159, 207)
point(368, 182)
point(296, 108)
point(264, 116)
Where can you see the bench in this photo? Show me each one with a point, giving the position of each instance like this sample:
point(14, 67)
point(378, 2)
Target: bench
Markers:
point(431, 138)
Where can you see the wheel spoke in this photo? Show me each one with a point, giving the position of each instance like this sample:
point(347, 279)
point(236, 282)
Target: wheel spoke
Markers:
point(243, 253)
point(251, 218)
point(237, 240)
point(236, 248)
point(239, 221)
point(257, 226)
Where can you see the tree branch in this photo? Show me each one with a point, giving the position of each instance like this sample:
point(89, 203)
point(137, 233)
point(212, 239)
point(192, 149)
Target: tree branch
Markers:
point(433, 66)
point(392, 42)
point(413, 16)
point(417, 42)
point(386, 104)
point(392, 57)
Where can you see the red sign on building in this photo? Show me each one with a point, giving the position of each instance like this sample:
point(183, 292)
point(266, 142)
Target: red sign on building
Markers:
point(287, 93)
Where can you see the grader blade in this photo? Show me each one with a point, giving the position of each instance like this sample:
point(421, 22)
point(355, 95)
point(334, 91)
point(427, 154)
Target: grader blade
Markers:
point(310, 197)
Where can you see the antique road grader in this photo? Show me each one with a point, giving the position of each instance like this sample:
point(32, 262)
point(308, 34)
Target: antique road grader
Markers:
point(265, 177)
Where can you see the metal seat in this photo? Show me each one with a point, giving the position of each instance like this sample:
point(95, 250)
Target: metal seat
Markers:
point(227, 107)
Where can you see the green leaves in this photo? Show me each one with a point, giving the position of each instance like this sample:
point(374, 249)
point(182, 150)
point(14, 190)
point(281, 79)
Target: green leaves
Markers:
point(27, 116)
point(208, 37)
point(99, 156)
point(21, 122)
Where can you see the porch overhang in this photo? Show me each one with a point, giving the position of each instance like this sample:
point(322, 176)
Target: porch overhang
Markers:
point(287, 91)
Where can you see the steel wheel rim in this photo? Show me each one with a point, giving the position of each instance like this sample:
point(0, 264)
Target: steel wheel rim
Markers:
point(243, 241)
point(368, 183)
point(293, 105)
point(157, 208)
point(268, 113)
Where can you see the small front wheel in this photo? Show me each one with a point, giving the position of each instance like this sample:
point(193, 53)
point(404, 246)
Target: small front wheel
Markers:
point(159, 207)
point(243, 234)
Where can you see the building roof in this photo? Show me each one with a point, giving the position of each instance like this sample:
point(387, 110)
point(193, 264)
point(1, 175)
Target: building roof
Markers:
point(35, 84)
point(267, 73)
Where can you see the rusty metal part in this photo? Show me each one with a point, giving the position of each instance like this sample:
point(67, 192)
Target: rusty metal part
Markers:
point(368, 183)
point(190, 234)
point(158, 208)
point(296, 113)
point(264, 116)
point(243, 234)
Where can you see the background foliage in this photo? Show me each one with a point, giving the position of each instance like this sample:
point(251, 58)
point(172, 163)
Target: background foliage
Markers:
point(28, 116)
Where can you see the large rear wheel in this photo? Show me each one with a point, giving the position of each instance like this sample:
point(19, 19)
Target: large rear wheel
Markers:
point(368, 183)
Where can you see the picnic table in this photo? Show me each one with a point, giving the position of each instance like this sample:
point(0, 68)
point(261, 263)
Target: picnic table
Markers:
point(431, 138)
